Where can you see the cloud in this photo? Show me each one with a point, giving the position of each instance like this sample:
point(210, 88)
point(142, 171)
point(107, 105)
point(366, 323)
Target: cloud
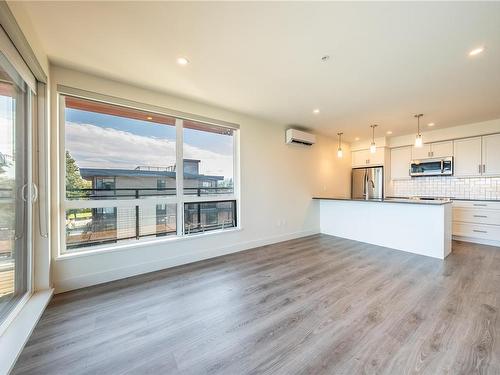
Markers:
point(97, 147)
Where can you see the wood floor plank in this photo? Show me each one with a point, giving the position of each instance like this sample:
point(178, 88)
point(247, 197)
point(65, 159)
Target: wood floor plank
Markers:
point(315, 305)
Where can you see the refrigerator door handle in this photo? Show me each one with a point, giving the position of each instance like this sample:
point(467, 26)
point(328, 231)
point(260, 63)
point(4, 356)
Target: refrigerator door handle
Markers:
point(365, 185)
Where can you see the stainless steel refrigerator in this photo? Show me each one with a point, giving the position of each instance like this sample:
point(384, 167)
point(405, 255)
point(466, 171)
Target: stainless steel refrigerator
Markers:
point(367, 183)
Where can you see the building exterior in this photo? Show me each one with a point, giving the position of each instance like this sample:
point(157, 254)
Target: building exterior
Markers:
point(149, 217)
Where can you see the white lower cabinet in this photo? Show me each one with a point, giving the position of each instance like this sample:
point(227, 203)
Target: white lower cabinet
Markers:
point(477, 231)
point(477, 221)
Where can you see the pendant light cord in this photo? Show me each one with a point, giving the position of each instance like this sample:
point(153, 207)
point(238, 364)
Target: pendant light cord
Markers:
point(418, 122)
point(373, 132)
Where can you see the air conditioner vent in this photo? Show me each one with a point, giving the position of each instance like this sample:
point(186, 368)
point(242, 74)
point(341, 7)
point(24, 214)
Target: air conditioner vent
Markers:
point(300, 137)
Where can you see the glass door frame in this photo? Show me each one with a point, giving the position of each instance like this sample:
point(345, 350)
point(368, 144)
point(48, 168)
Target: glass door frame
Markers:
point(26, 192)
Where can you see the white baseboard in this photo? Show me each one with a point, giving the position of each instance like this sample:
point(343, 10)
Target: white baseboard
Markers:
point(477, 240)
point(16, 335)
point(138, 269)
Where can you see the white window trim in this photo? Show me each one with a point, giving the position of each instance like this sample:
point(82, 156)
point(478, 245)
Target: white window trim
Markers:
point(134, 244)
point(180, 199)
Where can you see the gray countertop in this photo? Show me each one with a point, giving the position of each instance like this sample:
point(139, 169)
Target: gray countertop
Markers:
point(454, 199)
point(390, 200)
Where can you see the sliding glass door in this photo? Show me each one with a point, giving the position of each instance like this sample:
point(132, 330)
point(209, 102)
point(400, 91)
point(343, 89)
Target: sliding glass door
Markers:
point(16, 190)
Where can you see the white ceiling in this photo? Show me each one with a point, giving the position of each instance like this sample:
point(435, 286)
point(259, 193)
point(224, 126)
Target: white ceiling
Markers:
point(388, 60)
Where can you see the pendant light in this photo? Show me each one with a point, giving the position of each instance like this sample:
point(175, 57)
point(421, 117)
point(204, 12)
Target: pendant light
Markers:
point(373, 147)
point(339, 150)
point(418, 138)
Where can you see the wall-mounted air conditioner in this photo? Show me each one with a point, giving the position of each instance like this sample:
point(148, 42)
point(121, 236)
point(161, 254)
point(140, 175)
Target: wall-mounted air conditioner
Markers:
point(300, 137)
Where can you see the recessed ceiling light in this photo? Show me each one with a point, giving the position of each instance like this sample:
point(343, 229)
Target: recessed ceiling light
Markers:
point(182, 61)
point(316, 111)
point(149, 118)
point(430, 124)
point(389, 132)
point(356, 139)
point(325, 58)
point(476, 51)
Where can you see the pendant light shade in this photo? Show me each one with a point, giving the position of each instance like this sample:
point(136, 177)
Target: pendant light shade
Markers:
point(373, 146)
point(418, 138)
point(339, 149)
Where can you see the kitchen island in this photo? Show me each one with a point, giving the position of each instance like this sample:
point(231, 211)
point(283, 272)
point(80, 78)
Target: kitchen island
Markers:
point(416, 226)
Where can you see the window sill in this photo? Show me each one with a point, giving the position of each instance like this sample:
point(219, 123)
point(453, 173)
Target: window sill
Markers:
point(146, 242)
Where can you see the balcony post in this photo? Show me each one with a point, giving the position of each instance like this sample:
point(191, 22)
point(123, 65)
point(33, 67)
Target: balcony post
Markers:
point(137, 234)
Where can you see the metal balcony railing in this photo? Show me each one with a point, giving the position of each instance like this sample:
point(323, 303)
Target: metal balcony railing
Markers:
point(135, 193)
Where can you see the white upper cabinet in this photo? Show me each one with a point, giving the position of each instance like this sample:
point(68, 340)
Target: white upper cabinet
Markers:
point(400, 163)
point(423, 152)
point(467, 160)
point(432, 150)
point(442, 149)
point(491, 155)
point(361, 158)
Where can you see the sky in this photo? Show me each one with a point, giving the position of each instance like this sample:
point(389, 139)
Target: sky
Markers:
point(97, 140)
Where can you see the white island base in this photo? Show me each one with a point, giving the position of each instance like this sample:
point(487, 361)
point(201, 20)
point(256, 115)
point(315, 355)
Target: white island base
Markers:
point(416, 227)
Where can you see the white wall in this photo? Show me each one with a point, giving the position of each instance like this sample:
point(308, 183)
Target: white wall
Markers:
point(277, 184)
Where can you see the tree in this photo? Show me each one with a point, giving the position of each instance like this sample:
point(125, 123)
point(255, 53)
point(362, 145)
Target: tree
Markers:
point(73, 178)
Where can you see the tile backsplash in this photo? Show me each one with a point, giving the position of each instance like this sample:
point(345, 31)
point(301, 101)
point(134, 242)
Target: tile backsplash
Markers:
point(441, 186)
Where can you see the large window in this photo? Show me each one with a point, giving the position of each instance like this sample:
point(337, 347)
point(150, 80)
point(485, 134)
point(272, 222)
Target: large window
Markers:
point(123, 180)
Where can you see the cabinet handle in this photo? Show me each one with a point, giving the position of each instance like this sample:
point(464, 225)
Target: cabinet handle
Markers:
point(480, 205)
point(479, 168)
point(484, 168)
point(479, 231)
point(480, 216)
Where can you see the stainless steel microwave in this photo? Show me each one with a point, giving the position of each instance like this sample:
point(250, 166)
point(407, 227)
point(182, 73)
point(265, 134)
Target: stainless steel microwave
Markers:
point(432, 167)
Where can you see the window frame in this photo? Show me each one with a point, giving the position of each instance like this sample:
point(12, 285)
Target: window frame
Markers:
point(179, 199)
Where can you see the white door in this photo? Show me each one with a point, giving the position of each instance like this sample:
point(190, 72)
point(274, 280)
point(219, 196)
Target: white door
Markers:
point(442, 149)
point(423, 152)
point(400, 163)
point(467, 157)
point(491, 155)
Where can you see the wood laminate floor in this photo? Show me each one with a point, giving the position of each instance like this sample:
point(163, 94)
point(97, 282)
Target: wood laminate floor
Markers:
point(316, 305)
